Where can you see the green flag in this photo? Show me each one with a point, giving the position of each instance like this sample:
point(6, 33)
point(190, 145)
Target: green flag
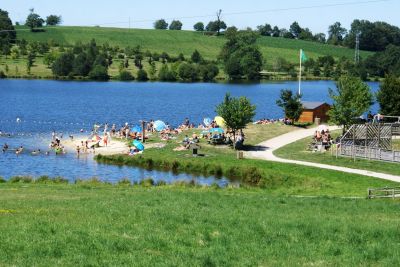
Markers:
point(303, 56)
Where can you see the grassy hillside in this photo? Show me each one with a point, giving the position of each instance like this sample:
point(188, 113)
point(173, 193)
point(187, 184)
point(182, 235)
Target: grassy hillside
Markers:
point(175, 42)
point(91, 224)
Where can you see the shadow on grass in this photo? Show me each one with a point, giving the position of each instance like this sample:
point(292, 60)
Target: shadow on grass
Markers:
point(249, 148)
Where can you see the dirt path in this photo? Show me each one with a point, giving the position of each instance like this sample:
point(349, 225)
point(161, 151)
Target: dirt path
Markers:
point(265, 151)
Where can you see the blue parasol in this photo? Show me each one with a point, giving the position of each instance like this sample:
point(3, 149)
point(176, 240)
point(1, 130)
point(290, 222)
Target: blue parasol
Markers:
point(159, 126)
point(218, 130)
point(138, 145)
point(136, 129)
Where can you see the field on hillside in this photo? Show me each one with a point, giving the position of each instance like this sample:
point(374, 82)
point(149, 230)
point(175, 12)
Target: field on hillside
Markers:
point(175, 42)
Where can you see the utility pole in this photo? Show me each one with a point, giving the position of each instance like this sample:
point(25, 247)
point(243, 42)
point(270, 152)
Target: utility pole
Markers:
point(357, 52)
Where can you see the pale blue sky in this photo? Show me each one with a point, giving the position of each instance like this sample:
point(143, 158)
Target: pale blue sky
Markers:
point(116, 13)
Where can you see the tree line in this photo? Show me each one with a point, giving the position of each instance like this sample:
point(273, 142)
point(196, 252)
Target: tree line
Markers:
point(92, 61)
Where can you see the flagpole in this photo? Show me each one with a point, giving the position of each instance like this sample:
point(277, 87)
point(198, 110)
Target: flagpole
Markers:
point(300, 73)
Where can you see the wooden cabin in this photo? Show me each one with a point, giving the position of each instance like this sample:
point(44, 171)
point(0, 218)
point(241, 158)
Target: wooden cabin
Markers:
point(312, 110)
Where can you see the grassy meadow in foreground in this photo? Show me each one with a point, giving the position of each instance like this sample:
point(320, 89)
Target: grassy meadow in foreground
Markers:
point(97, 224)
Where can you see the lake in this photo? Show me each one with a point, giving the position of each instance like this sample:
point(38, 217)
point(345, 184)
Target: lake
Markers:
point(68, 106)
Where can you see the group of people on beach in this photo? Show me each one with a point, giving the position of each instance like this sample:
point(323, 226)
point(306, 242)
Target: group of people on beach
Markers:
point(102, 134)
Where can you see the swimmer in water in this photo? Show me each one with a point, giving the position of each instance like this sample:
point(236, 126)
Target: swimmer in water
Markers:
point(5, 147)
point(19, 150)
point(18, 120)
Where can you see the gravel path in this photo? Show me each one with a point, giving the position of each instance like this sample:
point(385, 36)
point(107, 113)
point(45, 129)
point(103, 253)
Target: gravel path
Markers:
point(265, 151)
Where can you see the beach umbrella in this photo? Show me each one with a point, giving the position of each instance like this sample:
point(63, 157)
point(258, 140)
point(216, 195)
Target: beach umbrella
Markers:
point(220, 121)
point(322, 128)
point(138, 145)
point(159, 126)
point(136, 129)
point(207, 121)
point(218, 130)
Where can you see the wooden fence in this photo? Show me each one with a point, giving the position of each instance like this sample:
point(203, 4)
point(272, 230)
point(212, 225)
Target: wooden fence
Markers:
point(386, 192)
point(370, 153)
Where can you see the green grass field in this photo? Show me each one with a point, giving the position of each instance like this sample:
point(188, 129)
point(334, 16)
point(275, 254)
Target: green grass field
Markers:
point(104, 225)
point(175, 42)
point(298, 151)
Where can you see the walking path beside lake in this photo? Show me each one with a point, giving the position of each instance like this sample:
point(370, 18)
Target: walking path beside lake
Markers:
point(265, 152)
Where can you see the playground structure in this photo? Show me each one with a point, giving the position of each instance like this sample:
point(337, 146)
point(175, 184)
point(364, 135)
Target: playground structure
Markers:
point(371, 141)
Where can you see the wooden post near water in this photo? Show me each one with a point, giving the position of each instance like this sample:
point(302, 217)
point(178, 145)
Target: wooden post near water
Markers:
point(143, 130)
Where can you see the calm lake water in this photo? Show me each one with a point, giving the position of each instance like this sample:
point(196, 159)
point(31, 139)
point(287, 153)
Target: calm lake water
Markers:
point(67, 107)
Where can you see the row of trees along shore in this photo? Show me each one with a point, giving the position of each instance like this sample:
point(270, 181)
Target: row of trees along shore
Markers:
point(240, 57)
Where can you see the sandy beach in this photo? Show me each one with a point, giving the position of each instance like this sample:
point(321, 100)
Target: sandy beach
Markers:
point(113, 147)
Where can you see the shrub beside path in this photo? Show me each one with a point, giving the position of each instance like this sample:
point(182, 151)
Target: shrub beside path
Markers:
point(265, 151)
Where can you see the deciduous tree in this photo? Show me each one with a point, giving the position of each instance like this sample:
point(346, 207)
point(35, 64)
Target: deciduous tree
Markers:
point(34, 20)
point(290, 104)
point(53, 20)
point(160, 24)
point(199, 26)
point(175, 25)
point(389, 96)
point(237, 112)
point(351, 99)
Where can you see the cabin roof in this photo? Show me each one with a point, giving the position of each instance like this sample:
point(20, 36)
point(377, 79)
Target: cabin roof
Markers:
point(312, 105)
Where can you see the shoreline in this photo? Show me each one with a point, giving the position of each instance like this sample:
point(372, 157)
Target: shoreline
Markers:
point(114, 146)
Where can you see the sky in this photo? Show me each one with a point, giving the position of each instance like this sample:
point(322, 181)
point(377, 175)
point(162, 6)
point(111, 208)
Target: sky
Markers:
point(242, 14)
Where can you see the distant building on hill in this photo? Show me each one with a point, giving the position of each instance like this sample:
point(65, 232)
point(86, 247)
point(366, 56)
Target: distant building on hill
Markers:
point(313, 110)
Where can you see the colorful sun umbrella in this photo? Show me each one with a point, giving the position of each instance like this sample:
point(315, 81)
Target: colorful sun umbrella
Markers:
point(207, 121)
point(138, 145)
point(218, 130)
point(136, 129)
point(159, 126)
point(220, 121)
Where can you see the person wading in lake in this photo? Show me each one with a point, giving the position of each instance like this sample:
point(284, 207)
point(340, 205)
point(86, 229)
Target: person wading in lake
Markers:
point(5, 147)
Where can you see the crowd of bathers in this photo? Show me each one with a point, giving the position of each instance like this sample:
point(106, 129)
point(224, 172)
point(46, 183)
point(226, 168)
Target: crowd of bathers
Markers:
point(101, 134)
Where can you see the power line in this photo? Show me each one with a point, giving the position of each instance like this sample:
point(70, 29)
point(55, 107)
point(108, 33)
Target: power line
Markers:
point(240, 13)
point(274, 10)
